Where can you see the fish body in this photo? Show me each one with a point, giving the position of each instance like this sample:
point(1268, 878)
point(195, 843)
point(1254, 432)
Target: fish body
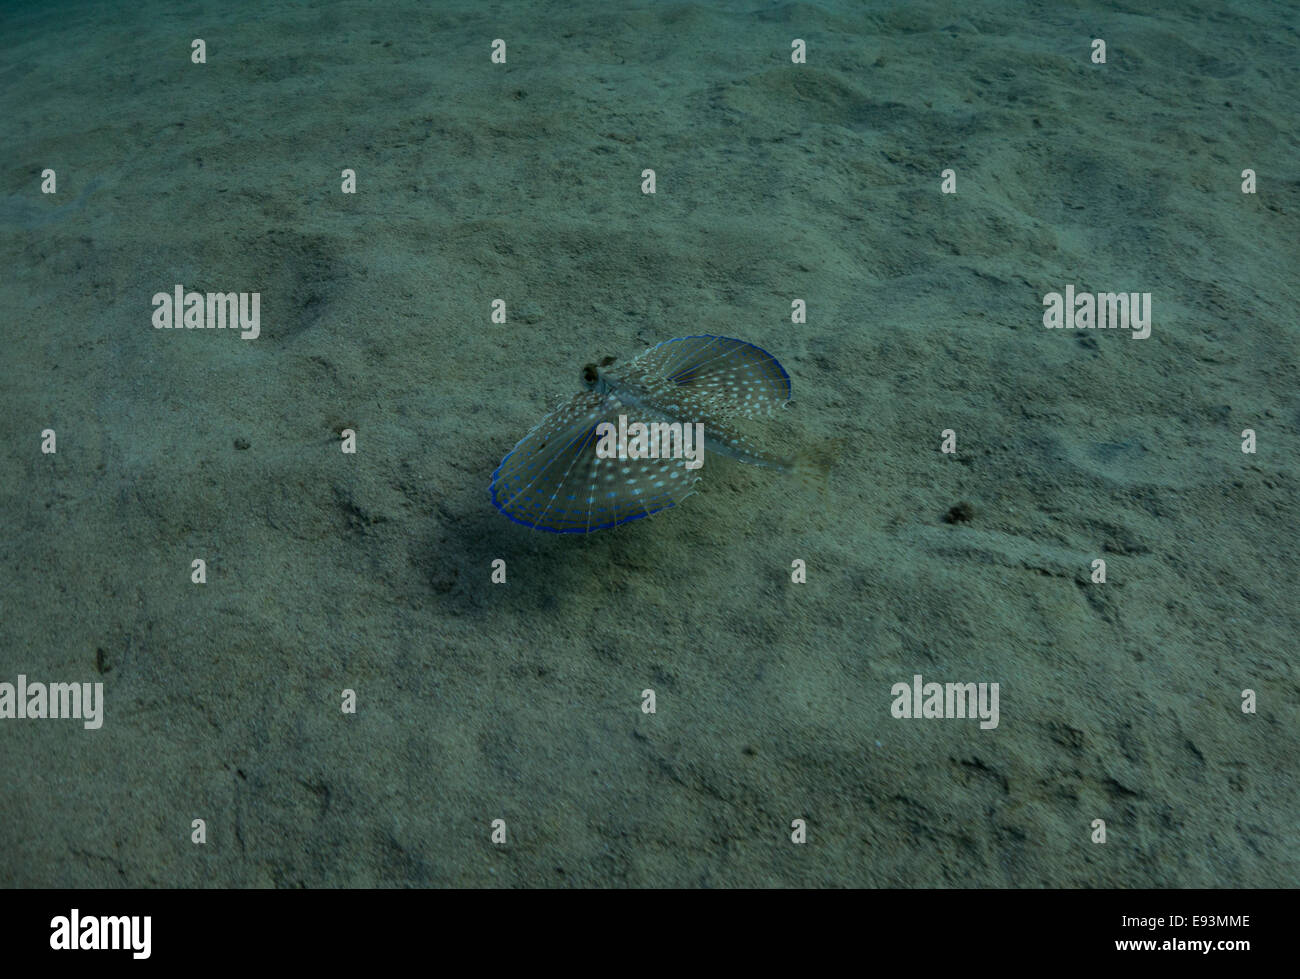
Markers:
point(555, 480)
point(657, 405)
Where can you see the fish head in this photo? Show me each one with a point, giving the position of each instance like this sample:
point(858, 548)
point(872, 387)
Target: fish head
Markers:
point(595, 378)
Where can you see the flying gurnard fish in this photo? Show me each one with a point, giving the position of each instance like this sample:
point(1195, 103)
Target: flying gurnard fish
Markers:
point(556, 480)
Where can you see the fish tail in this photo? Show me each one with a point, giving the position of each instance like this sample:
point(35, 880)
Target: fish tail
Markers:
point(813, 465)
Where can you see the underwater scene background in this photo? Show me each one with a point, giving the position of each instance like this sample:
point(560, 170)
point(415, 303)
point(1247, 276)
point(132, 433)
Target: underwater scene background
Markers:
point(776, 180)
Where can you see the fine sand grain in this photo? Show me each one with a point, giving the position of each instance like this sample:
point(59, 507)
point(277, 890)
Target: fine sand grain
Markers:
point(1119, 701)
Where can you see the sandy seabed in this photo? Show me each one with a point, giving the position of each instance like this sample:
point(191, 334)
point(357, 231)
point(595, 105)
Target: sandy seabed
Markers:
point(1119, 701)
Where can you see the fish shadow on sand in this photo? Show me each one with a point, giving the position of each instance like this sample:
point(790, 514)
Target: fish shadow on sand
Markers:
point(545, 573)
